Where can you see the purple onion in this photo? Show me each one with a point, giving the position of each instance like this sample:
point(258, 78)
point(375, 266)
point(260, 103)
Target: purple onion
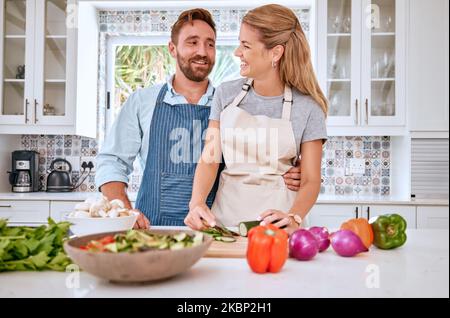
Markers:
point(303, 245)
point(322, 236)
point(347, 244)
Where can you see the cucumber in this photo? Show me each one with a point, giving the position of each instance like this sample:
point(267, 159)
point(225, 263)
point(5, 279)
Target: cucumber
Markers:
point(226, 239)
point(244, 227)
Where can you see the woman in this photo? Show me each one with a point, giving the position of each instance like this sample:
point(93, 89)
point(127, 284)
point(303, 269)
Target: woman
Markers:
point(261, 124)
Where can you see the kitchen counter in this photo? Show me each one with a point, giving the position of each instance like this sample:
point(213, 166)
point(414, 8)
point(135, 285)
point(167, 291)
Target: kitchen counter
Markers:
point(418, 269)
point(323, 199)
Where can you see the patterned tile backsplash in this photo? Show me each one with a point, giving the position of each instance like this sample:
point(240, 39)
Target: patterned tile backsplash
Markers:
point(228, 20)
point(337, 176)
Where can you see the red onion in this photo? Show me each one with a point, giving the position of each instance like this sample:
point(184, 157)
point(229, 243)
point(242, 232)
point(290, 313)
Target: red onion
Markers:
point(346, 243)
point(303, 245)
point(322, 236)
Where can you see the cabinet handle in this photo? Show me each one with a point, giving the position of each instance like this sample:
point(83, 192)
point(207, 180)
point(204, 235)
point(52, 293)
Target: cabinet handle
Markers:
point(26, 110)
point(357, 115)
point(368, 212)
point(367, 111)
point(5, 206)
point(356, 212)
point(35, 110)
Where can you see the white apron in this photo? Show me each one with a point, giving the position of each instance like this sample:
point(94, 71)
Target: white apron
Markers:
point(257, 151)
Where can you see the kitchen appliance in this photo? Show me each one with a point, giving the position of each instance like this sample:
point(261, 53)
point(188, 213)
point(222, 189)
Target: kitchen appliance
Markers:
point(24, 176)
point(60, 178)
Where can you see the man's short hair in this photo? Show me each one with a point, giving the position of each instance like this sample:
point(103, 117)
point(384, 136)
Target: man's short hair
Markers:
point(189, 16)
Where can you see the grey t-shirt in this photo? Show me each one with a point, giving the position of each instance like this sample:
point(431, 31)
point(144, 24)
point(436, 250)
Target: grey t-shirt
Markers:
point(307, 118)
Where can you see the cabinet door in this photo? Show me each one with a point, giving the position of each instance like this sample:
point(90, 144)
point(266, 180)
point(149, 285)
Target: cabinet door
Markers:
point(383, 62)
point(407, 212)
point(428, 69)
point(16, 61)
point(432, 217)
point(24, 212)
point(51, 87)
point(332, 216)
point(339, 45)
point(58, 209)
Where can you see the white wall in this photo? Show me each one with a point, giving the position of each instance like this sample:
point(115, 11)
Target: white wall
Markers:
point(8, 143)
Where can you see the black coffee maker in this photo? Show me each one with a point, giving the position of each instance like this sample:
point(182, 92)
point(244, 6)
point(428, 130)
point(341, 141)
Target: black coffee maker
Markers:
point(24, 176)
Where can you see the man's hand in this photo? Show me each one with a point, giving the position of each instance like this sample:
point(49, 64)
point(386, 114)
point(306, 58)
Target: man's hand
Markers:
point(142, 223)
point(199, 215)
point(292, 177)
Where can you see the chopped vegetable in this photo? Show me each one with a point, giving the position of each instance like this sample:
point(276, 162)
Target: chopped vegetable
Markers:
point(33, 249)
point(245, 227)
point(389, 231)
point(138, 241)
point(360, 227)
point(267, 249)
point(226, 239)
point(220, 233)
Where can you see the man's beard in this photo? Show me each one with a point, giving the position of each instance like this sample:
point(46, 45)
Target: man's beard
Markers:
point(188, 70)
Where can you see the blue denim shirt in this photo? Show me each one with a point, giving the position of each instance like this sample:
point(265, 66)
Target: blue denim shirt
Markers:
point(129, 135)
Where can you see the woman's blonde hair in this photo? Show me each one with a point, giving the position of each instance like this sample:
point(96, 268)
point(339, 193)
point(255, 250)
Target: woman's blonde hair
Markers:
point(278, 25)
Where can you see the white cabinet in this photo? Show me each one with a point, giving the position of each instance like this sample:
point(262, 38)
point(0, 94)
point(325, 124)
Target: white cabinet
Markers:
point(332, 215)
point(432, 217)
point(24, 212)
point(37, 36)
point(428, 66)
point(363, 44)
point(407, 212)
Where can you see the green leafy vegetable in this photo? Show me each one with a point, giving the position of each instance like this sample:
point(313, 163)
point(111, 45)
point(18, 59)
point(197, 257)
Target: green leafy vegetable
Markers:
point(33, 249)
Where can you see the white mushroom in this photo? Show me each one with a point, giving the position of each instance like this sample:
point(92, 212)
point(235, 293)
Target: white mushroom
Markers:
point(123, 212)
point(79, 214)
point(102, 204)
point(83, 206)
point(95, 208)
point(113, 213)
point(102, 213)
point(117, 204)
point(106, 204)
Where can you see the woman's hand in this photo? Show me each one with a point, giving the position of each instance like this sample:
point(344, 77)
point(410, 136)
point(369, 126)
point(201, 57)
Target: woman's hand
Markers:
point(279, 219)
point(198, 215)
point(292, 178)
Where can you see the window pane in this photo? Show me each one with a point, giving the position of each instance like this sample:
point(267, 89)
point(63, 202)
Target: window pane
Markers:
point(138, 66)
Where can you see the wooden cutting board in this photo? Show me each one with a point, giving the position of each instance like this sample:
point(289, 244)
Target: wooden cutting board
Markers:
point(236, 249)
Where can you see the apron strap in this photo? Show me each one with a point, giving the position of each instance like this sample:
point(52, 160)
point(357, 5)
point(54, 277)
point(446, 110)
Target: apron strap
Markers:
point(287, 100)
point(245, 88)
point(287, 103)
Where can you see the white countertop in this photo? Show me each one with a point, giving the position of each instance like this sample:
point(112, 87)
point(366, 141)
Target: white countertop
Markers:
point(323, 199)
point(418, 269)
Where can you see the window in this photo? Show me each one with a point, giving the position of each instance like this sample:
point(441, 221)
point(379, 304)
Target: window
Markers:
point(142, 61)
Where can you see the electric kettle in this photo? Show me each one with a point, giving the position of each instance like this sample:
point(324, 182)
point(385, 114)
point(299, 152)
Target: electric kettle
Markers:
point(60, 179)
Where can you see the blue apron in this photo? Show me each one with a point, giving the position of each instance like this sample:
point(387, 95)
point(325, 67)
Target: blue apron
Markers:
point(175, 146)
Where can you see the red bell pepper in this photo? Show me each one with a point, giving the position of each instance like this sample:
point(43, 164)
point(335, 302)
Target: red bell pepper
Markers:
point(267, 249)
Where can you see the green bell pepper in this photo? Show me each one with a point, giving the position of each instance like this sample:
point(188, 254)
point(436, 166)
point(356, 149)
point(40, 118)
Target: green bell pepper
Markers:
point(389, 231)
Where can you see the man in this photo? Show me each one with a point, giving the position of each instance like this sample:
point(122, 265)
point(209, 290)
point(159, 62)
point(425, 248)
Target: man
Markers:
point(164, 125)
